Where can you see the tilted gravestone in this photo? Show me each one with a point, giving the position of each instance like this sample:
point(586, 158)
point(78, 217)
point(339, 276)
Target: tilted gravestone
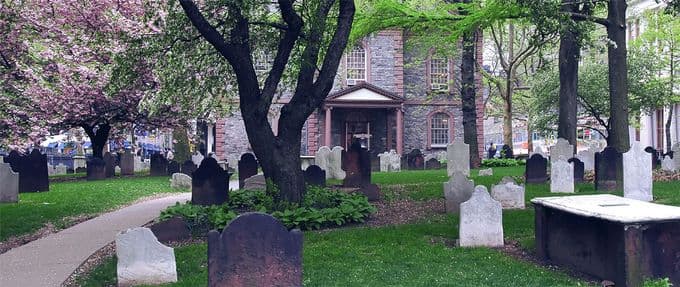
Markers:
point(127, 163)
point(96, 169)
point(510, 195)
point(180, 180)
point(247, 167)
point(481, 220)
point(536, 169)
point(322, 159)
point(456, 191)
point(458, 158)
point(188, 167)
point(637, 174)
point(255, 182)
point(173, 167)
point(578, 169)
point(561, 176)
point(159, 165)
point(9, 184)
point(433, 163)
point(143, 260)
point(415, 159)
point(314, 175)
point(255, 249)
point(109, 165)
point(209, 184)
point(608, 169)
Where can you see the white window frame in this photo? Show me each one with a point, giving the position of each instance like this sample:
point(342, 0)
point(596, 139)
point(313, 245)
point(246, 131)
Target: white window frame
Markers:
point(447, 129)
point(350, 81)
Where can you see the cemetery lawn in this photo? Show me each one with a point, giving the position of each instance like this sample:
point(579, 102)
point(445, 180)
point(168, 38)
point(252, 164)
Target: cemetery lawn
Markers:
point(68, 200)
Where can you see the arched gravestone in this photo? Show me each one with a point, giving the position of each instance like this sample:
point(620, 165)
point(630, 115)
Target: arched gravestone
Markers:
point(357, 164)
point(536, 170)
point(188, 167)
point(96, 169)
point(314, 175)
point(32, 169)
point(255, 249)
point(173, 167)
point(110, 164)
point(209, 184)
point(578, 169)
point(159, 165)
point(247, 167)
point(433, 163)
point(17, 162)
point(415, 159)
point(608, 169)
point(127, 163)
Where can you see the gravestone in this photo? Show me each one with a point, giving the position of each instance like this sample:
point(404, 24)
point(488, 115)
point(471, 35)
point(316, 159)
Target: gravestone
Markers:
point(655, 156)
point(96, 169)
point(255, 182)
point(506, 152)
point(180, 180)
point(588, 159)
point(667, 164)
point(109, 165)
point(9, 184)
point(578, 169)
point(561, 176)
point(255, 249)
point(188, 167)
point(415, 159)
point(507, 179)
point(637, 173)
point(433, 163)
point(314, 175)
point(171, 230)
point(139, 164)
point(456, 191)
point(197, 159)
point(159, 165)
point(510, 195)
point(458, 158)
point(247, 167)
point(142, 260)
point(127, 163)
point(562, 150)
point(538, 150)
point(481, 220)
point(117, 169)
point(60, 169)
point(209, 184)
point(536, 169)
point(608, 169)
point(173, 167)
point(390, 161)
point(485, 172)
point(35, 166)
point(384, 165)
point(357, 165)
point(322, 159)
point(675, 154)
point(335, 164)
point(82, 170)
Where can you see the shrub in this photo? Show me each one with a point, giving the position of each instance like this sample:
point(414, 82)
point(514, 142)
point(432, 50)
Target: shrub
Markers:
point(498, 162)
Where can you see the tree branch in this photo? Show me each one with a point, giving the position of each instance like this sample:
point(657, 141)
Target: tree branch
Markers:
point(584, 17)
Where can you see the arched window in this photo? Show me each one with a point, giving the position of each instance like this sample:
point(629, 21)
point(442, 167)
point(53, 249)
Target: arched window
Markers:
point(356, 65)
point(439, 129)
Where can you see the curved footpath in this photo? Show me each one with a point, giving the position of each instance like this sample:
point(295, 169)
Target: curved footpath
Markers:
point(49, 261)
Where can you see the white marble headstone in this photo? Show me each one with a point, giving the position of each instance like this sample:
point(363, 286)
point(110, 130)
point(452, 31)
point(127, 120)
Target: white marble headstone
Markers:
point(538, 150)
point(481, 220)
point(485, 172)
point(510, 195)
point(456, 191)
point(588, 159)
point(197, 159)
point(142, 260)
point(667, 164)
point(676, 151)
point(562, 150)
point(458, 158)
point(9, 184)
point(637, 173)
point(321, 158)
point(561, 176)
point(335, 163)
point(180, 180)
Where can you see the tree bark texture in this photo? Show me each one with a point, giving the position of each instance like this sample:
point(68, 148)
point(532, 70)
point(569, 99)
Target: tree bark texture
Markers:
point(468, 96)
point(618, 76)
point(99, 135)
point(569, 54)
point(509, 87)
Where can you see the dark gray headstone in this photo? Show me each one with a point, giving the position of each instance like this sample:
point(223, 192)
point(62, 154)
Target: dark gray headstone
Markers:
point(209, 184)
point(656, 156)
point(371, 191)
point(536, 170)
point(578, 169)
point(188, 167)
point(173, 229)
point(173, 167)
point(247, 167)
point(356, 163)
point(32, 169)
point(255, 250)
point(159, 165)
point(608, 169)
point(96, 169)
point(110, 164)
point(127, 163)
point(415, 159)
point(433, 163)
point(314, 175)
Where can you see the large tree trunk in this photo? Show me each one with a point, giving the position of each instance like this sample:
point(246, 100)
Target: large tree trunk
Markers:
point(569, 55)
point(530, 138)
point(618, 76)
point(507, 112)
point(98, 134)
point(468, 96)
point(669, 142)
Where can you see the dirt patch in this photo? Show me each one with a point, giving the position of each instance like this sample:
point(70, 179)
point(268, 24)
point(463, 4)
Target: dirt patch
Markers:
point(404, 211)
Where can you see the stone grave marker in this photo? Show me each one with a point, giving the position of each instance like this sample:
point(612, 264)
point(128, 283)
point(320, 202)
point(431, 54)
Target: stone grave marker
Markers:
point(247, 167)
point(588, 159)
point(171, 230)
point(117, 169)
point(127, 163)
point(142, 260)
point(675, 154)
point(481, 220)
point(314, 175)
point(536, 169)
point(637, 173)
point(562, 150)
point(255, 249)
point(335, 164)
point(9, 184)
point(538, 150)
point(485, 172)
point(209, 184)
point(561, 176)
point(508, 179)
point(60, 169)
point(357, 165)
point(390, 161)
point(667, 164)
point(109, 165)
point(510, 195)
point(655, 156)
point(608, 169)
point(180, 180)
point(322, 158)
point(456, 191)
point(35, 165)
point(578, 169)
point(384, 164)
point(173, 167)
point(458, 158)
point(197, 158)
point(139, 164)
point(415, 159)
point(433, 163)
point(159, 165)
point(96, 169)
point(188, 167)
point(255, 182)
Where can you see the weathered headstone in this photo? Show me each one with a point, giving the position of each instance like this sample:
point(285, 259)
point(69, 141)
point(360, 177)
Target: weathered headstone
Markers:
point(247, 167)
point(188, 167)
point(209, 184)
point(578, 169)
point(562, 150)
point(655, 156)
point(255, 182)
point(335, 164)
point(637, 173)
point(33, 174)
point(171, 230)
point(588, 159)
point(458, 158)
point(433, 163)
point(481, 220)
point(510, 195)
point(508, 179)
point(159, 165)
point(561, 176)
point(142, 260)
point(415, 159)
point(314, 175)
point(60, 169)
point(109, 165)
point(96, 169)
point(173, 167)
point(538, 150)
point(9, 184)
point(322, 158)
point(456, 191)
point(255, 249)
point(139, 164)
point(608, 169)
point(180, 180)
point(536, 169)
point(667, 164)
point(384, 164)
point(357, 164)
point(485, 172)
point(127, 163)
point(675, 154)
point(197, 159)
point(390, 161)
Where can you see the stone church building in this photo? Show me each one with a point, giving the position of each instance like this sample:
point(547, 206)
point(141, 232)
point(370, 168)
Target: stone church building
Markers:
point(383, 96)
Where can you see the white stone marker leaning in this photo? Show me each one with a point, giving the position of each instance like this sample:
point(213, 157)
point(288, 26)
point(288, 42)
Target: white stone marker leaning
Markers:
point(637, 173)
point(588, 159)
point(456, 191)
point(458, 158)
point(180, 180)
point(485, 172)
point(510, 195)
point(9, 184)
point(335, 162)
point(142, 260)
point(667, 164)
point(561, 176)
point(322, 158)
point(481, 220)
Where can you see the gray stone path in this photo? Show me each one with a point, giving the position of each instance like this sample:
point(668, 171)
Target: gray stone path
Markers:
point(49, 261)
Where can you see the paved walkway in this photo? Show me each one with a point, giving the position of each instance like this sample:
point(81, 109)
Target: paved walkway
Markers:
point(49, 261)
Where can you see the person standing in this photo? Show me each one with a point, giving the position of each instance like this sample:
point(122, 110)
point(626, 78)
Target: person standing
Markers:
point(491, 153)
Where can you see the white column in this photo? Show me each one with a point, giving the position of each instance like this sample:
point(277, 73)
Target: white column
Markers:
point(210, 140)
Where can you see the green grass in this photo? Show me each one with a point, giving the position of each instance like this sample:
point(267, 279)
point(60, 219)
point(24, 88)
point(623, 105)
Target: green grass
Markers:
point(71, 199)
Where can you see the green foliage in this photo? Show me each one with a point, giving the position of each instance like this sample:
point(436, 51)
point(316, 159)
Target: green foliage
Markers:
point(497, 162)
point(182, 152)
point(665, 282)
